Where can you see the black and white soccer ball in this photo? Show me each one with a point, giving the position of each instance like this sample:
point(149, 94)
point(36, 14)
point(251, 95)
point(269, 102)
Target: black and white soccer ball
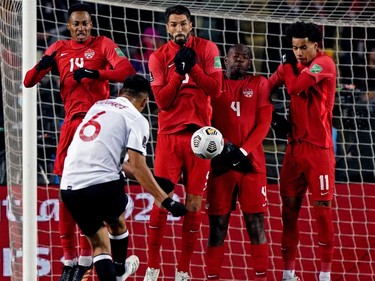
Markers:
point(207, 142)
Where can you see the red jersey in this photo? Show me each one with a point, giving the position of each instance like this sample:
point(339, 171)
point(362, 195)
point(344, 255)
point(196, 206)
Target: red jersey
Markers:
point(98, 53)
point(243, 115)
point(185, 100)
point(312, 96)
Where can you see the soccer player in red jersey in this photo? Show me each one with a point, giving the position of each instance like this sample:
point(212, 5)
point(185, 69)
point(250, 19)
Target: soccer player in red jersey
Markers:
point(184, 74)
point(242, 114)
point(85, 64)
point(310, 80)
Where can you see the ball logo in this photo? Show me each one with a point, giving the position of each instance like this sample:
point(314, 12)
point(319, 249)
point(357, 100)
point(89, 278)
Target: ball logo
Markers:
point(211, 131)
point(207, 142)
point(89, 54)
point(248, 92)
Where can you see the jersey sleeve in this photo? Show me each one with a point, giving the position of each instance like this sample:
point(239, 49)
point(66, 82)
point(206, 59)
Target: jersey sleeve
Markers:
point(209, 76)
point(277, 78)
point(321, 68)
point(139, 135)
point(34, 76)
point(164, 91)
point(121, 66)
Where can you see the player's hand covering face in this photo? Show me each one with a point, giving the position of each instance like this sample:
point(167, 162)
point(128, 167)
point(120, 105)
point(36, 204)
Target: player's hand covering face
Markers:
point(237, 63)
point(80, 26)
point(179, 28)
point(304, 50)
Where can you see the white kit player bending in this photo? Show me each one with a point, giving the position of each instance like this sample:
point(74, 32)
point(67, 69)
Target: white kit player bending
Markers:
point(92, 185)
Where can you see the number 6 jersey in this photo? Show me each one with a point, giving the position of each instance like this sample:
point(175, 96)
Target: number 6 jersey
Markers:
point(108, 129)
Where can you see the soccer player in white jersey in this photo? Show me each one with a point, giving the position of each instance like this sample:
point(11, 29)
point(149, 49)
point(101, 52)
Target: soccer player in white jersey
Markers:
point(92, 185)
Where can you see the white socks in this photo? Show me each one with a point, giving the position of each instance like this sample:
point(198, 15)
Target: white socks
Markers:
point(325, 276)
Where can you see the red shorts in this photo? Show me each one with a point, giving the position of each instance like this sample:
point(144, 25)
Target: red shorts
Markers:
point(307, 165)
point(174, 158)
point(223, 190)
point(66, 136)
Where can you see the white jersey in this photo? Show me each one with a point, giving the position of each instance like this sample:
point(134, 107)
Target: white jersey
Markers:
point(108, 129)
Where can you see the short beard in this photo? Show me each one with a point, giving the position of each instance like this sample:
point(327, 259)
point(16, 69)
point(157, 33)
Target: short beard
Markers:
point(180, 42)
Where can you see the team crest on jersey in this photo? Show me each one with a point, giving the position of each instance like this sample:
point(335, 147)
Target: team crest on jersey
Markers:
point(89, 54)
point(248, 93)
point(316, 69)
point(119, 52)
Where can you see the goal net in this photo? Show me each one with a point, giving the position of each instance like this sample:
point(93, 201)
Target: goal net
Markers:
point(138, 27)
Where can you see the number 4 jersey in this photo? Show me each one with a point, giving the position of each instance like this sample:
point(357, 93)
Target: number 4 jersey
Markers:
point(108, 129)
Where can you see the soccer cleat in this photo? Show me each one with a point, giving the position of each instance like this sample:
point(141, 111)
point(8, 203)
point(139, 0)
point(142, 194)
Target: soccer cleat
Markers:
point(81, 273)
point(67, 273)
point(131, 266)
point(181, 276)
point(152, 274)
point(295, 278)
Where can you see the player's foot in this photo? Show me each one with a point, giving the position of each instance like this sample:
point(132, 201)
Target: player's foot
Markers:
point(295, 278)
point(131, 266)
point(81, 273)
point(152, 274)
point(181, 276)
point(67, 273)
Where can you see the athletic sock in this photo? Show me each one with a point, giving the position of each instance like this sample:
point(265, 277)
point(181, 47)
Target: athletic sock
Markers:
point(119, 246)
point(289, 274)
point(104, 267)
point(84, 246)
point(190, 233)
point(85, 261)
point(290, 238)
point(67, 232)
point(323, 216)
point(156, 229)
point(259, 256)
point(214, 260)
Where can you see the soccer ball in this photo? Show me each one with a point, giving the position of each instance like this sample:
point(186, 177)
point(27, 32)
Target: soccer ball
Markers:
point(207, 142)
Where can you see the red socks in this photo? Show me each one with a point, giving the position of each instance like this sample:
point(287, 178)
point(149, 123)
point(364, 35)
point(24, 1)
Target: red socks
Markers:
point(190, 233)
point(214, 260)
point(67, 232)
point(259, 256)
point(323, 216)
point(156, 229)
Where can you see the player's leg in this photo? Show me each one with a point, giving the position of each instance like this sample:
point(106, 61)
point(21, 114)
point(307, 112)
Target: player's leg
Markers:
point(215, 249)
point(170, 169)
point(321, 178)
point(254, 186)
point(118, 232)
point(195, 175)
point(221, 200)
point(293, 187)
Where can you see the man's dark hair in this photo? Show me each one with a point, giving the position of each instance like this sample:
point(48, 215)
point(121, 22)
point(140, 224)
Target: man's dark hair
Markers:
point(177, 10)
point(134, 85)
point(79, 7)
point(301, 29)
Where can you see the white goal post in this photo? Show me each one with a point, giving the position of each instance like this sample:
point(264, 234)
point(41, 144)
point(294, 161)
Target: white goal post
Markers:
point(138, 27)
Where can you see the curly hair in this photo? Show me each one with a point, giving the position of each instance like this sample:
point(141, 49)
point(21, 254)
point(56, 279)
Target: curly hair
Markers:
point(301, 29)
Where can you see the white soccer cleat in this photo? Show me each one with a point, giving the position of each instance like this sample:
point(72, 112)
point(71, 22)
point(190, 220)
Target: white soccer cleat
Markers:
point(181, 276)
point(131, 266)
point(152, 274)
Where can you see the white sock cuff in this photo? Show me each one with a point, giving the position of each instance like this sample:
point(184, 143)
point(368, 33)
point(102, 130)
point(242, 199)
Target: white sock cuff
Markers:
point(119, 237)
point(102, 257)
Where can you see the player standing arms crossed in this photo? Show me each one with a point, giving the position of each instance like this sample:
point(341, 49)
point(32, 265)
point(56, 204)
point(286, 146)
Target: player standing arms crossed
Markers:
point(184, 74)
point(310, 79)
point(83, 63)
point(243, 114)
point(92, 185)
